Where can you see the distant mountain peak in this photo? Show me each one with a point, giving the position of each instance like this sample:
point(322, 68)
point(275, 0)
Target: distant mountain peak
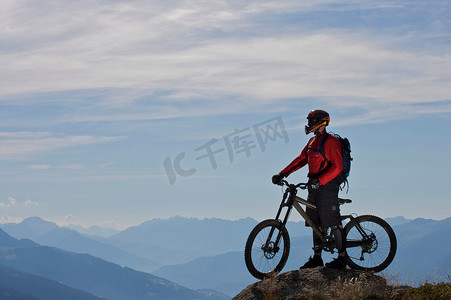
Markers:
point(38, 221)
point(31, 228)
point(397, 220)
point(32, 219)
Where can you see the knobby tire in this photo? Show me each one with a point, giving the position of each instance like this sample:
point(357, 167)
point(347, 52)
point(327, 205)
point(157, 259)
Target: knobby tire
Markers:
point(373, 256)
point(260, 263)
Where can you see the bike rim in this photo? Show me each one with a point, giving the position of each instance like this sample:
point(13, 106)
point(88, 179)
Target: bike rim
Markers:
point(266, 258)
point(375, 251)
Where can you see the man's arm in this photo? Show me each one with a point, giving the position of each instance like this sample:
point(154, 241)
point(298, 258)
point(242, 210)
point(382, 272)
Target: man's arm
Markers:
point(296, 164)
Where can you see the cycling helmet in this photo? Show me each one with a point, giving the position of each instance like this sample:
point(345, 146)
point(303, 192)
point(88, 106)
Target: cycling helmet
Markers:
point(316, 119)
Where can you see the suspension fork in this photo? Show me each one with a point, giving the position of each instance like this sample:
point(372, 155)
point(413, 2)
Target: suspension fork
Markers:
point(289, 193)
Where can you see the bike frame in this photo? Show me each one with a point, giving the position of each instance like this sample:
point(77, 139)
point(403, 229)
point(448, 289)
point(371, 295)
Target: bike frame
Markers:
point(290, 200)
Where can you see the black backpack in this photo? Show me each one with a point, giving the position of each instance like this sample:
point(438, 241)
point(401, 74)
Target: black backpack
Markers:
point(345, 153)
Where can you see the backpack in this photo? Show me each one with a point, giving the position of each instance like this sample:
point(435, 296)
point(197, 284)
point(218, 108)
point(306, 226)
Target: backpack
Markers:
point(345, 153)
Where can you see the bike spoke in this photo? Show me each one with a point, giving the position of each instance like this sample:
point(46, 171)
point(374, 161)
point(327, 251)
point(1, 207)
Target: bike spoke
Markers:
point(372, 248)
point(264, 261)
point(263, 256)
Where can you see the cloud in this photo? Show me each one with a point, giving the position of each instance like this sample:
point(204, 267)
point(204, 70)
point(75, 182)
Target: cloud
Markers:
point(24, 134)
point(318, 65)
point(106, 165)
point(45, 167)
point(11, 202)
point(40, 167)
point(221, 51)
point(5, 218)
point(28, 144)
point(29, 203)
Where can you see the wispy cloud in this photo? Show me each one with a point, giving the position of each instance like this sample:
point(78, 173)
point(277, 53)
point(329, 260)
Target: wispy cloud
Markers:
point(106, 165)
point(215, 51)
point(5, 218)
point(28, 144)
point(29, 203)
point(24, 134)
point(11, 202)
point(46, 167)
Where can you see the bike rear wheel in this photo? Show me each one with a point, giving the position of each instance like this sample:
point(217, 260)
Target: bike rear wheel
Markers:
point(370, 244)
point(267, 249)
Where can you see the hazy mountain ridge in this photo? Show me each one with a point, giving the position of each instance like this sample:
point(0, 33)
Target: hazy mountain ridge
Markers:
point(19, 285)
point(422, 249)
point(397, 220)
point(94, 230)
point(49, 234)
point(423, 254)
point(225, 273)
point(31, 228)
point(180, 240)
point(171, 241)
point(90, 274)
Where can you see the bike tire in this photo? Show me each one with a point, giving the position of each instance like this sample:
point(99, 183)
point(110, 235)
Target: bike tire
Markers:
point(262, 263)
point(375, 255)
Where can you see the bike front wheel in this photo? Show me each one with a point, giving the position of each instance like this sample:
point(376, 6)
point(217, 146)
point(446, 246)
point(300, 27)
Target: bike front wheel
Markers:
point(267, 249)
point(370, 243)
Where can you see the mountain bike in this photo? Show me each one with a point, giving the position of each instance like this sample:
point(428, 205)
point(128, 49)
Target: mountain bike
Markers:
point(370, 241)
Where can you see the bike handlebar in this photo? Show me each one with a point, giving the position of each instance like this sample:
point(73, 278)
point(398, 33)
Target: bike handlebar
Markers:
point(302, 185)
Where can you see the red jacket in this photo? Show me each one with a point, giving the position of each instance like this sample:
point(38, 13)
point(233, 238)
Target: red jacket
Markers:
point(310, 155)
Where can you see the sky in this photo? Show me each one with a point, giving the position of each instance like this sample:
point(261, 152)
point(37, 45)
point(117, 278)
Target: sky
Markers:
point(117, 112)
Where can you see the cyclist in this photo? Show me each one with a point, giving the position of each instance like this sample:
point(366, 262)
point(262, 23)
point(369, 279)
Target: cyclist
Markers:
point(323, 185)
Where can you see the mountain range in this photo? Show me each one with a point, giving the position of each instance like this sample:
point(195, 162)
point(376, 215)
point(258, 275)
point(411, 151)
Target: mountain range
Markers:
point(23, 286)
point(179, 240)
point(49, 234)
point(208, 253)
point(68, 271)
point(423, 254)
point(95, 230)
point(424, 251)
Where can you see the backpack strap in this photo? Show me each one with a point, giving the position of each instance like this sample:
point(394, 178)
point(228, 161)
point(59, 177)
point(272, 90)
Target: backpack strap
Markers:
point(321, 147)
point(345, 182)
point(321, 151)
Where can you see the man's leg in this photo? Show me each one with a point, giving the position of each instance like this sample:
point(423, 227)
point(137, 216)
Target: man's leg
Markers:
point(316, 260)
point(317, 242)
point(329, 213)
point(340, 239)
point(340, 242)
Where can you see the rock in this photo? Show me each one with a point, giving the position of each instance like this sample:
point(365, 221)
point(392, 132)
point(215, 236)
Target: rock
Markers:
point(318, 283)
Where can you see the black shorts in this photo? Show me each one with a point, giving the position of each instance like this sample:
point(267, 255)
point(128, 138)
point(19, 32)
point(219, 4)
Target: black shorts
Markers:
point(325, 198)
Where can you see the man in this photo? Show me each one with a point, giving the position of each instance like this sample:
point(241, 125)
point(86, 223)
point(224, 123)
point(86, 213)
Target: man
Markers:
point(323, 185)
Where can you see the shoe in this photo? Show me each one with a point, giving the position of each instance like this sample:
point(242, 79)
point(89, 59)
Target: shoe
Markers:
point(338, 263)
point(313, 262)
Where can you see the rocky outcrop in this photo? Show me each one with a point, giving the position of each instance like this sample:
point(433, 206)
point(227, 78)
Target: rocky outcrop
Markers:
point(319, 283)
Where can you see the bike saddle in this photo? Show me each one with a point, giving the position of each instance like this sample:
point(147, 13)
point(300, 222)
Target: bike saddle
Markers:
point(343, 201)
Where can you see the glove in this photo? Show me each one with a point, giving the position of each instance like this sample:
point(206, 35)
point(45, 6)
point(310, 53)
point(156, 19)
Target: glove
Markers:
point(277, 179)
point(314, 184)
